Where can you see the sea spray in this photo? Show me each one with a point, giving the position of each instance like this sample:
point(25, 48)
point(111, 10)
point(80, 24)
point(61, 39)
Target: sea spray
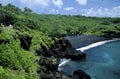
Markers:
point(63, 62)
point(67, 66)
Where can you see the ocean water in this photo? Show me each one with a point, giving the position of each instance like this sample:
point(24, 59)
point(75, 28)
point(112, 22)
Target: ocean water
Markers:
point(102, 62)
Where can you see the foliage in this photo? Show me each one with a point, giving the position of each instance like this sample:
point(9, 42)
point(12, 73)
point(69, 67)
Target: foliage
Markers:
point(27, 9)
point(16, 59)
point(13, 8)
point(6, 33)
point(8, 74)
point(57, 25)
point(18, 63)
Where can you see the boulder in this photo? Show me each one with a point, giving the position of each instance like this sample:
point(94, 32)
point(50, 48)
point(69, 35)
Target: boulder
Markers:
point(116, 72)
point(79, 74)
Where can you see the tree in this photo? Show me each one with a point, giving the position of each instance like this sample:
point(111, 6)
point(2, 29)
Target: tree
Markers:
point(20, 63)
point(13, 9)
point(27, 9)
point(1, 5)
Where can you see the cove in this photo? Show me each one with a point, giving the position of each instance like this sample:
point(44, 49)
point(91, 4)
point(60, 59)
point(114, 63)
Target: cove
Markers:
point(102, 62)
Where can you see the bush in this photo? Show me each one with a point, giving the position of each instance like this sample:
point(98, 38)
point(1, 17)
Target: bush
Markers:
point(16, 59)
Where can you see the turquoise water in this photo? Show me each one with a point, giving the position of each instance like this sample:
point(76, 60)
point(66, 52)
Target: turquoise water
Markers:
point(103, 62)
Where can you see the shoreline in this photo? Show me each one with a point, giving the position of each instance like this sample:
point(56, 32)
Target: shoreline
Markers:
point(84, 40)
point(62, 49)
point(82, 49)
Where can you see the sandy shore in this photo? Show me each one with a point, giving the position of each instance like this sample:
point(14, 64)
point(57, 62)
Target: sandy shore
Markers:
point(83, 40)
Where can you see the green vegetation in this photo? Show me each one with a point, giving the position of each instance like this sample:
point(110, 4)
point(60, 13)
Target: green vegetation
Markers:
point(15, 62)
point(19, 63)
point(56, 25)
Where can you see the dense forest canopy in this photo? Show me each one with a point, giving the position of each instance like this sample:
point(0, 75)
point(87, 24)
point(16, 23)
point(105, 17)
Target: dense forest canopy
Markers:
point(20, 62)
point(56, 24)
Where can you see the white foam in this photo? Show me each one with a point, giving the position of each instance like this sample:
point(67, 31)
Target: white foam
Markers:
point(82, 49)
point(63, 63)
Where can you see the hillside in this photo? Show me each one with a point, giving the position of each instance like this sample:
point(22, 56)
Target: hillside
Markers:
point(23, 32)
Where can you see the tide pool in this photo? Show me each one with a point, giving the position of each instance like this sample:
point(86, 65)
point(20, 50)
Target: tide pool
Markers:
point(102, 62)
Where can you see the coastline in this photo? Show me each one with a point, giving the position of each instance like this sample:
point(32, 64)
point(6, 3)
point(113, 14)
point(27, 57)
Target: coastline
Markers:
point(82, 49)
point(84, 40)
point(63, 48)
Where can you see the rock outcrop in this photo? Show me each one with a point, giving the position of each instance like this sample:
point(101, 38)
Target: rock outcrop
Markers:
point(79, 74)
point(111, 34)
point(50, 58)
point(25, 42)
point(116, 72)
point(61, 49)
point(48, 70)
